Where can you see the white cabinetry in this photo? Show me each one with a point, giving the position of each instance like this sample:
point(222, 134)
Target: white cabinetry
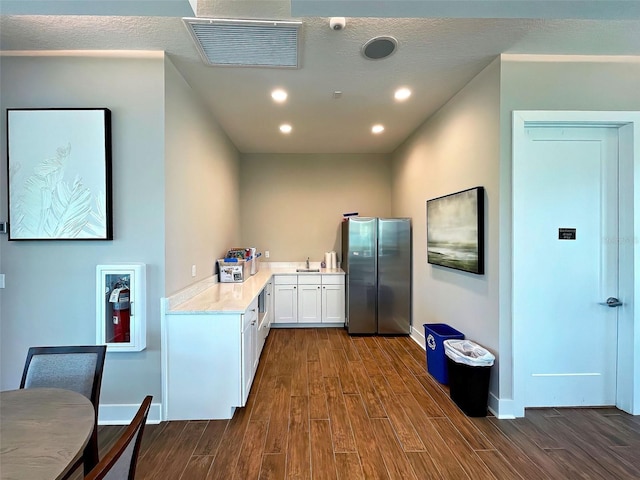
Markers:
point(270, 301)
point(212, 339)
point(318, 299)
point(265, 314)
point(121, 307)
point(333, 299)
point(210, 362)
point(309, 299)
point(203, 378)
point(286, 299)
point(250, 354)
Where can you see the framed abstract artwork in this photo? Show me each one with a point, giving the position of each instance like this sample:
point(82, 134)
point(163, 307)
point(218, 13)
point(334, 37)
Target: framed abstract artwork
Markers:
point(59, 162)
point(455, 230)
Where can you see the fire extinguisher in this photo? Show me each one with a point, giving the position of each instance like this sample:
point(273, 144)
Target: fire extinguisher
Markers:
point(121, 313)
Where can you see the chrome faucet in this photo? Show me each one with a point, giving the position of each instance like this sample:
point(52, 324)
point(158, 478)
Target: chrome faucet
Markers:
point(307, 263)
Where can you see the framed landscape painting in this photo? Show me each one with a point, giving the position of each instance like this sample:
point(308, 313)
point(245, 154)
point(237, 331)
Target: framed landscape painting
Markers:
point(455, 230)
point(59, 162)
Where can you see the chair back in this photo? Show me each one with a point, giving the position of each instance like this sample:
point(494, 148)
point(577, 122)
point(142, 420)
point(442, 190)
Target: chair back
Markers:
point(77, 368)
point(121, 460)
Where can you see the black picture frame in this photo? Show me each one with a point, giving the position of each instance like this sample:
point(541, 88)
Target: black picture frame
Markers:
point(59, 173)
point(455, 230)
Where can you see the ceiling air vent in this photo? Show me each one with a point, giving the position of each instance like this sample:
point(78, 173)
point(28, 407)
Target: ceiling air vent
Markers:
point(246, 43)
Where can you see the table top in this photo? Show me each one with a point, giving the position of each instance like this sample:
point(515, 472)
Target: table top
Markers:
point(43, 431)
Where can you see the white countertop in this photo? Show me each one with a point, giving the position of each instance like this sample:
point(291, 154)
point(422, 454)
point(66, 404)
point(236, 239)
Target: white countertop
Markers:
point(208, 296)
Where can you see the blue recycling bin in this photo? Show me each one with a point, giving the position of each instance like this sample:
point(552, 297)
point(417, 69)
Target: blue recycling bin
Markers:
point(435, 334)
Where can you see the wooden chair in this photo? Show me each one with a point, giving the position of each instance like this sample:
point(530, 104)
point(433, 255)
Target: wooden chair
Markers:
point(77, 368)
point(120, 461)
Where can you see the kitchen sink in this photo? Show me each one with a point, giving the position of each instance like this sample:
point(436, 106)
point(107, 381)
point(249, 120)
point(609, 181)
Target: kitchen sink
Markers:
point(307, 270)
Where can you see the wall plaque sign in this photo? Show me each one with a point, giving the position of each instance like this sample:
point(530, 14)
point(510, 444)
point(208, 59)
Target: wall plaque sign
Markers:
point(566, 234)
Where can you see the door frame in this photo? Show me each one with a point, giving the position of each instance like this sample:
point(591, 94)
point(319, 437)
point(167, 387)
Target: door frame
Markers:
point(628, 356)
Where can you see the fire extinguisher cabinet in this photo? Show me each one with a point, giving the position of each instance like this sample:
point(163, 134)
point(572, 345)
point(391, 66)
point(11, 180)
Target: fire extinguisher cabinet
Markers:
point(121, 307)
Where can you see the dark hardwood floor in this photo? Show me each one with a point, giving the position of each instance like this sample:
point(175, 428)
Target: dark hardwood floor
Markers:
point(328, 406)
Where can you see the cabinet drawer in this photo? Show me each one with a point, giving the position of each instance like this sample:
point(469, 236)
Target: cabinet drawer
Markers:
point(309, 279)
point(333, 279)
point(285, 279)
point(251, 314)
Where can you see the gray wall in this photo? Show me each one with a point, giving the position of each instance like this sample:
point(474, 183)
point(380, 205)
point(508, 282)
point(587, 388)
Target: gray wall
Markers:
point(292, 205)
point(202, 200)
point(456, 149)
point(50, 293)
point(468, 143)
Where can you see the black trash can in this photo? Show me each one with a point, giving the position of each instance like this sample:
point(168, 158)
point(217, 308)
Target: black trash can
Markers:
point(469, 375)
point(435, 334)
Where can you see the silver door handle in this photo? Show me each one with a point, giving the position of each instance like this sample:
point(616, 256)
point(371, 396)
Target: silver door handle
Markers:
point(612, 302)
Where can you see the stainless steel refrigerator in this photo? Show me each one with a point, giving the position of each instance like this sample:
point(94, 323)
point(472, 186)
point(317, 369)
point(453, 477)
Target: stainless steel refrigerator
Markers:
point(376, 256)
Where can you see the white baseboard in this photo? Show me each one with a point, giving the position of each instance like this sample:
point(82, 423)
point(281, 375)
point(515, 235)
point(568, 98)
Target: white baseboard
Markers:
point(123, 414)
point(418, 336)
point(501, 408)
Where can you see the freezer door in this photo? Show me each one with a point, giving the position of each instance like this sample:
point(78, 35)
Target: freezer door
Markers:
point(394, 276)
point(359, 250)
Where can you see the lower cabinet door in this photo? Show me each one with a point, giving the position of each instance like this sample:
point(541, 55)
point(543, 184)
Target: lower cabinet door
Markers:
point(333, 303)
point(256, 347)
point(247, 363)
point(286, 304)
point(309, 304)
point(249, 350)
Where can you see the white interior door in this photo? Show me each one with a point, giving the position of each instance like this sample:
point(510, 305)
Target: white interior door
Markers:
point(565, 265)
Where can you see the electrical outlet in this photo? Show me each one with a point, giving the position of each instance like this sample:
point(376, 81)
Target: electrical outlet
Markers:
point(266, 254)
point(193, 270)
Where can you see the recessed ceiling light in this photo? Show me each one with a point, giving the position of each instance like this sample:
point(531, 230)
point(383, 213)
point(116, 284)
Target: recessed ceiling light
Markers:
point(402, 94)
point(377, 129)
point(279, 95)
point(285, 128)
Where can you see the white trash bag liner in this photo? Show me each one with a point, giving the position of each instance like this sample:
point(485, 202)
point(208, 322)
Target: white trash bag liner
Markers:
point(469, 353)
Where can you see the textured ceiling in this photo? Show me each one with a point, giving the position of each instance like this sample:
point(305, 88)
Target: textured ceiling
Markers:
point(436, 57)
